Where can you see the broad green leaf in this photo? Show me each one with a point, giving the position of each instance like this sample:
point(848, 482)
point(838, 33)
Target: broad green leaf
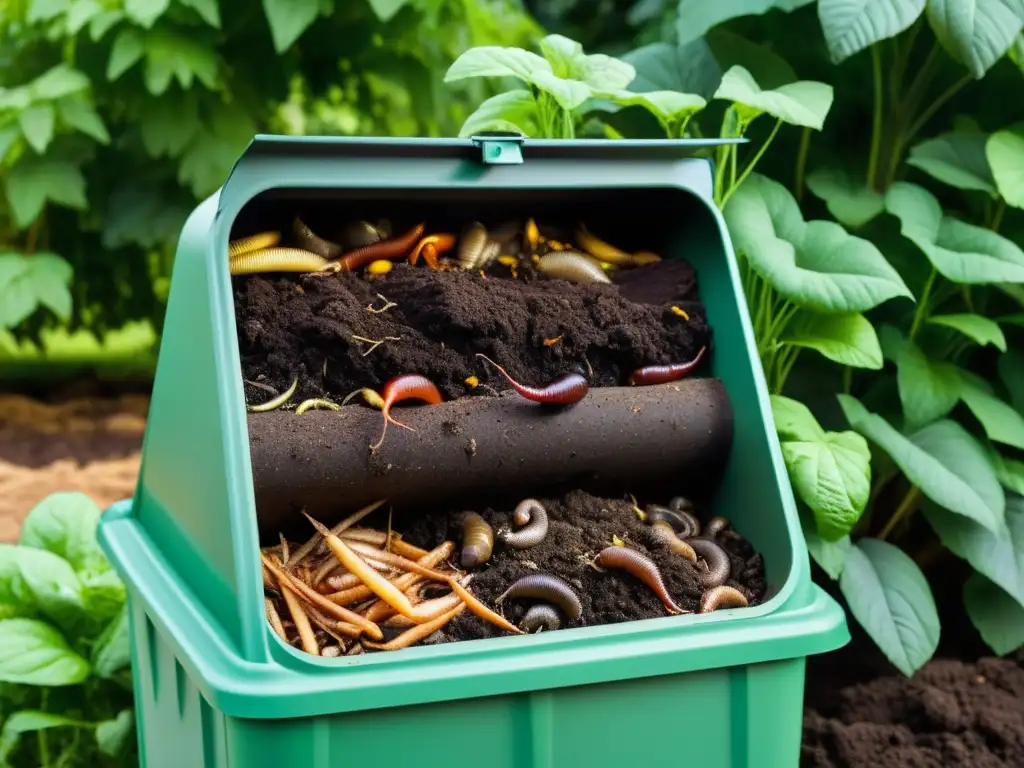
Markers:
point(929, 389)
point(81, 13)
point(34, 653)
point(57, 82)
point(497, 61)
point(142, 213)
point(44, 10)
point(64, 523)
point(599, 71)
point(103, 22)
point(1002, 423)
point(169, 125)
point(961, 252)
point(128, 48)
point(852, 203)
point(802, 103)
point(815, 264)
point(30, 721)
point(146, 12)
point(829, 555)
point(508, 111)
point(1011, 371)
point(385, 10)
point(113, 736)
point(77, 113)
point(890, 598)
point(668, 106)
point(844, 339)
point(8, 135)
point(288, 19)
point(568, 93)
point(689, 68)
point(998, 555)
point(957, 159)
point(210, 12)
point(103, 592)
point(112, 651)
point(210, 156)
point(830, 471)
point(1010, 472)
point(698, 16)
point(178, 56)
point(766, 66)
point(998, 618)
point(29, 281)
point(35, 578)
point(976, 32)
point(942, 459)
point(976, 327)
point(1005, 152)
point(37, 126)
point(850, 26)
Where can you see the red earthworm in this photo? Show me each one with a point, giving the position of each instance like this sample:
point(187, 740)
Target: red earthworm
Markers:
point(660, 374)
point(565, 390)
point(643, 568)
point(431, 247)
point(540, 617)
point(722, 597)
point(663, 533)
point(532, 520)
point(408, 386)
point(391, 248)
point(544, 586)
point(719, 566)
point(477, 540)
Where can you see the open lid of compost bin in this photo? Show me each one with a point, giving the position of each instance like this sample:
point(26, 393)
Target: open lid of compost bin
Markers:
point(195, 493)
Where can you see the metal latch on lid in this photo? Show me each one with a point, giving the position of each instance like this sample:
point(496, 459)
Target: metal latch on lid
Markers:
point(500, 147)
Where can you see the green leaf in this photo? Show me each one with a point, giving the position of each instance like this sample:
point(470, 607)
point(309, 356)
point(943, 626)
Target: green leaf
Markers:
point(497, 61)
point(1010, 472)
point(568, 93)
point(169, 125)
point(145, 12)
point(1001, 422)
point(79, 114)
point(210, 13)
point(8, 135)
point(668, 106)
point(975, 327)
point(30, 281)
point(34, 653)
point(102, 23)
point(128, 48)
point(890, 598)
point(815, 264)
point(211, 155)
point(81, 13)
point(57, 82)
point(852, 203)
point(942, 459)
point(42, 580)
point(695, 17)
point(599, 71)
point(803, 103)
point(113, 736)
point(288, 19)
point(929, 389)
point(998, 618)
point(766, 66)
point(689, 68)
point(830, 471)
point(829, 555)
point(1011, 371)
point(103, 592)
point(960, 252)
point(976, 32)
point(172, 55)
point(850, 26)
point(37, 126)
point(44, 10)
point(1005, 153)
point(64, 523)
point(139, 212)
point(30, 721)
point(385, 10)
point(509, 111)
point(112, 651)
point(844, 339)
point(997, 555)
point(957, 159)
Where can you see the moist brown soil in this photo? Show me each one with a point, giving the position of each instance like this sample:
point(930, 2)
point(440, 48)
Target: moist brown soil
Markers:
point(536, 329)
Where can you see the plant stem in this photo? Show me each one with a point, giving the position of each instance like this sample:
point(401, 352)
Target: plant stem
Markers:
point(907, 506)
point(753, 162)
point(801, 165)
point(790, 360)
point(902, 58)
point(44, 747)
point(847, 378)
point(935, 106)
point(997, 217)
point(876, 126)
point(922, 304)
point(908, 106)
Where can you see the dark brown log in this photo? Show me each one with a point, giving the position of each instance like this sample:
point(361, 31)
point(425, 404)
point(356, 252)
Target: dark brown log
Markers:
point(614, 440)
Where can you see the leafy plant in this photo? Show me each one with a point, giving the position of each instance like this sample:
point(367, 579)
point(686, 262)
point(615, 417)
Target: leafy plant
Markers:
point(65, 678)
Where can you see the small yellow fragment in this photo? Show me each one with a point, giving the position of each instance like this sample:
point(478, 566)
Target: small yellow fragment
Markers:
point(643, 258)
point(508, 261)
point(532, 233)
point(606, 266)
point(554, 245)
point(636, 508)
point(379, 267)
point(680, 312)
point(472, 382)
point(618, 542)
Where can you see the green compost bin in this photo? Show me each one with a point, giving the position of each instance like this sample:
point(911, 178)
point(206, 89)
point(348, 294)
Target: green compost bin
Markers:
point(216, 687)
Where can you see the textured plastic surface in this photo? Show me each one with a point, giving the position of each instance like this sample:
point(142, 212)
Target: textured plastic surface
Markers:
point(215, 687)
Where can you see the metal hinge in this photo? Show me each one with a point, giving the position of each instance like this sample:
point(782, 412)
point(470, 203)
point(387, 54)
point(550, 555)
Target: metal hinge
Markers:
point(500, 147)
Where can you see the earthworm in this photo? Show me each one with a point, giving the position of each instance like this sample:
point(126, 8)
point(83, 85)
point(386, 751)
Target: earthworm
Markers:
point(540, 617)
point(431, 247)
point(532, 521)
point(276, 402)
point(252, 243)
point(408, 386)
point(392, 248)
point(573, 267)
point(684, 523)
point(565, 390)
point(276, 260)
point(642, 568)
point(722, 597)
point(300, 619)
point(299, 554)
point(544, 586)
point(719, 566)
point(418, 632)
point(643, 258)
point(681, 504)
point(311, 241)
point(317, 403)
point(360, 233)
point(477, 540)
point(663, 533)
point(599, 249)
point(717, 525)
point(660, 374)
point(472, 246)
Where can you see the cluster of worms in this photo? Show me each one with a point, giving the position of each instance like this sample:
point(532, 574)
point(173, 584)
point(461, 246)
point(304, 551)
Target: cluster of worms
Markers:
point(347, 588)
